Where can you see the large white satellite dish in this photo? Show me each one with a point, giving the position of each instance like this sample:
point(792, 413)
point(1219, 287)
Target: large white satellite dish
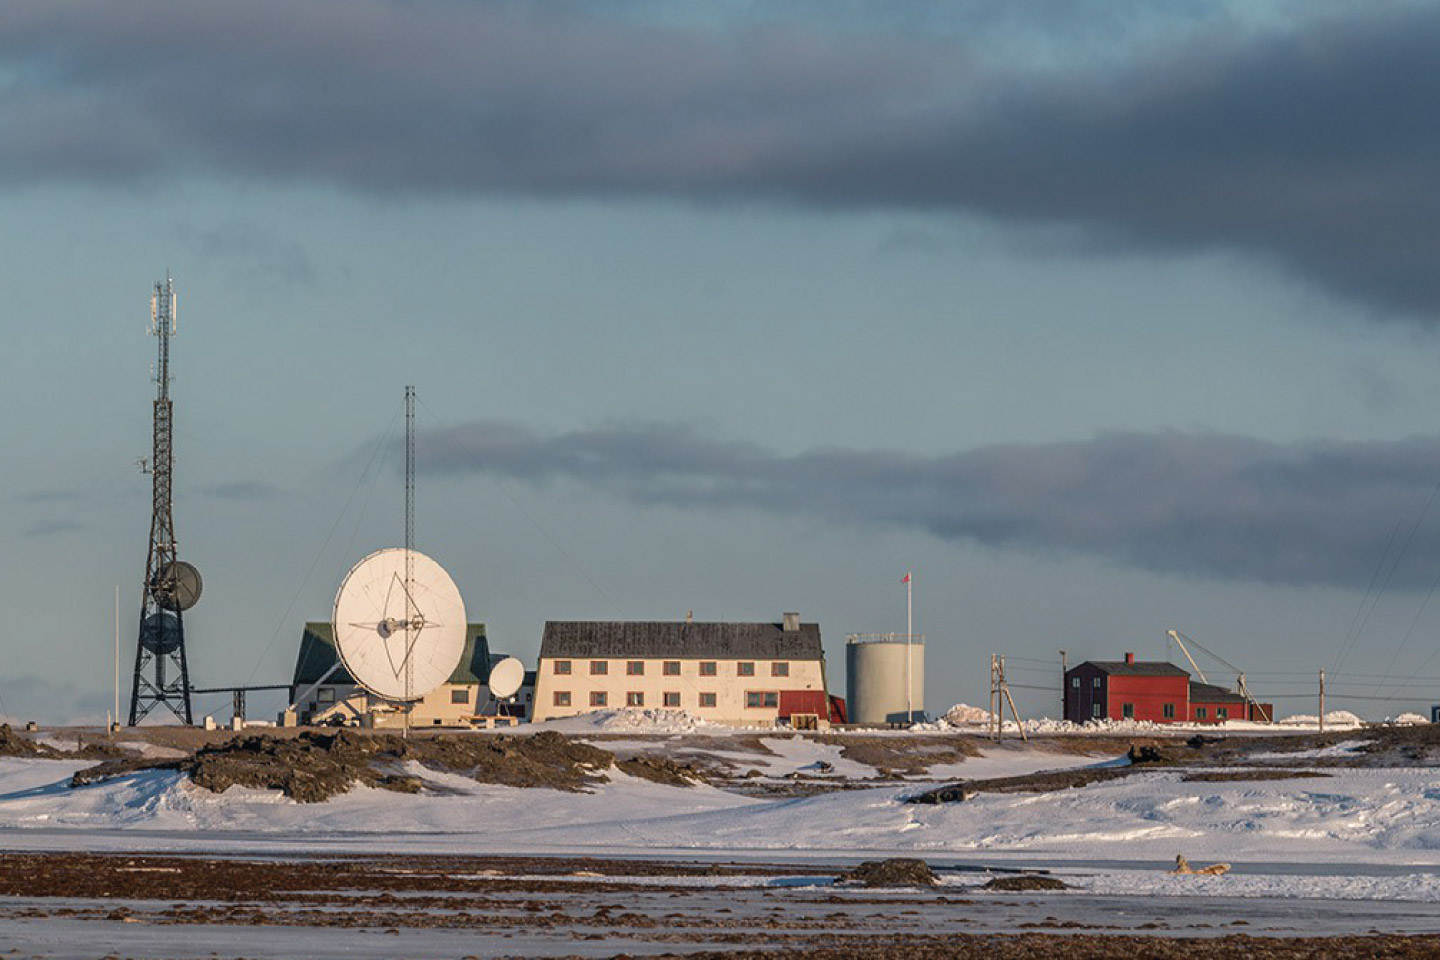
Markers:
point(506, 678)
point(399, 626)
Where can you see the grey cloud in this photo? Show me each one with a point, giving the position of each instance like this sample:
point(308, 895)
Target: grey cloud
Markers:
point(258, 251)
point(51, 527)
point(1208, 505)
point(1311, 147)
point(49, 496)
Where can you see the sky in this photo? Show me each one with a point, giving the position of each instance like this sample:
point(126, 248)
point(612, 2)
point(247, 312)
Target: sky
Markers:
point(1104, 318)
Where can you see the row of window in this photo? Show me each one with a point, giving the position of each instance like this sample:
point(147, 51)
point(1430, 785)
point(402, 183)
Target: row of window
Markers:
point(1127, 710)
point(754, 699)
point(671, 668)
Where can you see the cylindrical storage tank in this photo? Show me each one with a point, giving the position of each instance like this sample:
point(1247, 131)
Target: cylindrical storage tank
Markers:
point(879, 687)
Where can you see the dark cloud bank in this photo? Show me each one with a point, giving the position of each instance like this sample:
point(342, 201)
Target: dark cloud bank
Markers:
point(1313, 149)
point(1208, 505)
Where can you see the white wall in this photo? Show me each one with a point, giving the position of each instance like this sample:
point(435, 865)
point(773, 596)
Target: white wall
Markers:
point(728, 686)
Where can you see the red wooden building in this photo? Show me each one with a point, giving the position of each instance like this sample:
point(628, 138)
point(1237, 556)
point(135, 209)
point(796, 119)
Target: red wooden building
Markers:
point(1150, 690)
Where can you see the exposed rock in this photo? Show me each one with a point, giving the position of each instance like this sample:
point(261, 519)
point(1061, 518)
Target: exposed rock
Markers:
point(1230, 776)
point(895, 872)
point(660, 770)
point(316, 766)
point(14, 745)
point(1026, 881)
point(954, 794)
point(1148, 753)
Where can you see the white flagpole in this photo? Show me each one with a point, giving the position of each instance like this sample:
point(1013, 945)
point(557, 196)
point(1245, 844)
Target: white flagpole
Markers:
point(116, 718)
point(909, 650)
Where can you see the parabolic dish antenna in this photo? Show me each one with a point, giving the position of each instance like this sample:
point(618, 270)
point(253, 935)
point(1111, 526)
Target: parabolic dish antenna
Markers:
point(400, 637)
point(160, 633)
point(178, 586)
point(506, 678)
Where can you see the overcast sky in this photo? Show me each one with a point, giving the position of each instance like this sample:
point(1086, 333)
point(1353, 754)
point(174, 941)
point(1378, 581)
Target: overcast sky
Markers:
point(1104, 317)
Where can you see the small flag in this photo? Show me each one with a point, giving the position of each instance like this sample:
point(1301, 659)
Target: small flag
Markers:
point(907, 579)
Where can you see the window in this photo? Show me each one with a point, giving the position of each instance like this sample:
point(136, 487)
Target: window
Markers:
point(779, 669)
point(562, 698)
point(561, 668)
point(327, 695)
point(745, 668)
point(707, 699)
point(1200, 713)
point(1127, 710)
point(759, 699)
point(671, 668)
point(1222, 713)
point(1095, 710)
point(597, 698)
point(707, 668)
point(672, 698)
point(1075, 682)
point(598, 668)
point(634, 668)
point(1169, 711)
point(1095, 683)
point(460, 695)
point(634, 699)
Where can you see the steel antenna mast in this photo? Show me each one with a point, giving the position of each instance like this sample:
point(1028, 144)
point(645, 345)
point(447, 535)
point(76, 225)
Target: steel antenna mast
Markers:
point(171, 586)
point(410, 611)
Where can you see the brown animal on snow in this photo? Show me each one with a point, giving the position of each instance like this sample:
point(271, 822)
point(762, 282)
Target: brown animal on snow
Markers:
point(1182, 866)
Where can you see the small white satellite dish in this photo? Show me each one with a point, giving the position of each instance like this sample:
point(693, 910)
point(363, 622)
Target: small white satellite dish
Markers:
point(506, 678)
point(399, 628)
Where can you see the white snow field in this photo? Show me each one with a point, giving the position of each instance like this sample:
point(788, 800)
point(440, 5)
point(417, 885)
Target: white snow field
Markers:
point(1387, 817)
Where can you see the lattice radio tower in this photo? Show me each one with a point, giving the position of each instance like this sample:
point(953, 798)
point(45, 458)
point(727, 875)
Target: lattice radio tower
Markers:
point(171, 585)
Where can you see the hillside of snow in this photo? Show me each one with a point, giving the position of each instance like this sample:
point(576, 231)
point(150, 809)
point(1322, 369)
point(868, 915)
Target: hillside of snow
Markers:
point(1386, 815)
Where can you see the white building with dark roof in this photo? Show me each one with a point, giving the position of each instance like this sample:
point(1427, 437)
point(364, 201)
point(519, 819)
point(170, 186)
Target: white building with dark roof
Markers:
point(323, 695)
point(743, 674)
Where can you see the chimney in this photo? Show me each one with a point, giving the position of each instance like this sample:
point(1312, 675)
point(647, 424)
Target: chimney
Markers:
point(792, 622)
point(1129, 658)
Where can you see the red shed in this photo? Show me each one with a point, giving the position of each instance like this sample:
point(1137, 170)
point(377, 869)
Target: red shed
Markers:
point(1151, 690)
point(1212, 704)
point(804, 701)
point(1127, 690)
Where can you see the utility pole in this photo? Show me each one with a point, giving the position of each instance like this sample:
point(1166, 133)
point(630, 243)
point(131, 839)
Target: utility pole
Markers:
point(996, 727)
point(1322, 701)
point(1064, 669)
point(1005, 689)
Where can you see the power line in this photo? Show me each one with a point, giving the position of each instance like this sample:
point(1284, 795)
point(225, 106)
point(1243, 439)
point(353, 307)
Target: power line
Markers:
point(285, 617)
point(1404, 548)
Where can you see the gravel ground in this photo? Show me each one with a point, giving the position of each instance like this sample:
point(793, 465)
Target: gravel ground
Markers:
point(556, 907)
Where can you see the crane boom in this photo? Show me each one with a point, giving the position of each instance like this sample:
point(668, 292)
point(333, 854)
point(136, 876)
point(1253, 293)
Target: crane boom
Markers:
point(1176, 636)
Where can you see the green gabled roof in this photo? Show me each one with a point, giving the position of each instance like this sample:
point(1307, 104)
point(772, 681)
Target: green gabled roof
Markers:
point(317, 654)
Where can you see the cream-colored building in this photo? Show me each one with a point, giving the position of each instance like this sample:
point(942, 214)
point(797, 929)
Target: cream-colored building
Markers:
point(743, 674)
point(336, 698)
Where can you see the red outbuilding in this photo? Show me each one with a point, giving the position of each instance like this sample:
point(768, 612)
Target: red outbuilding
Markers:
point(1150, 690)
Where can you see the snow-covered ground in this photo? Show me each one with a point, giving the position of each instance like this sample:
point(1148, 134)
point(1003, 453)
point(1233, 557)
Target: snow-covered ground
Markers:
point(1361, 816)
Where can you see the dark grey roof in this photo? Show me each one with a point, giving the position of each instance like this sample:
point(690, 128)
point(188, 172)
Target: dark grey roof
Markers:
point(1209, 693)
point(1140, 668)
point(647, 639)
point(317, 654)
